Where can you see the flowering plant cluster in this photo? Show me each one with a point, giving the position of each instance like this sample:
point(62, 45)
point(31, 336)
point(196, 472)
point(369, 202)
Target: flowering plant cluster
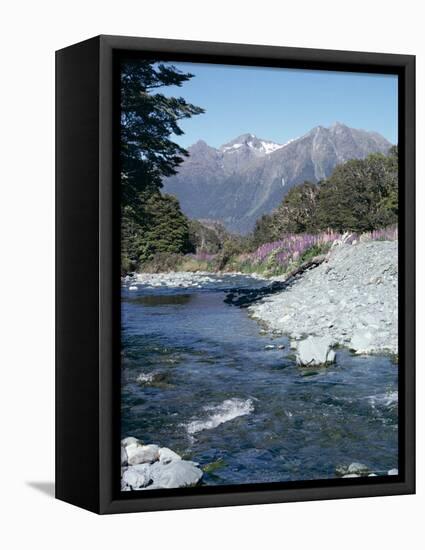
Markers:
point(385, 234)
point(291, 247)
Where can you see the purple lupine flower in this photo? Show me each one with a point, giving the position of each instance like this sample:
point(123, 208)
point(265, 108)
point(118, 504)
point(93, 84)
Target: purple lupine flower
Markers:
point(291, 246)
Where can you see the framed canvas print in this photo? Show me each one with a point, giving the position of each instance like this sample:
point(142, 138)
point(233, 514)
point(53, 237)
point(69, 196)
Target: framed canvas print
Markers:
point(235, 274)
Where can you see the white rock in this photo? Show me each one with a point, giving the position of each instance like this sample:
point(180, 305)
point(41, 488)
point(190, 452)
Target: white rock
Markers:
point(132, 287)
point(123, 456)
point(358, 468)
point(362, 341)
point(130, 440)
point(178, 473)
point(351, 475)
point(315, 350)
point(393, 472)
point(135, 477)
point(372, 475)
point(145, 378)
point(141, 454)
point(167, 455)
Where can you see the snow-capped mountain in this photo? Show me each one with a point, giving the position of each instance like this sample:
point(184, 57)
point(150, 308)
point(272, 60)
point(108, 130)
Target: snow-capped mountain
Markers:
point(243, 150)
point(250, 142)
point(247, 177)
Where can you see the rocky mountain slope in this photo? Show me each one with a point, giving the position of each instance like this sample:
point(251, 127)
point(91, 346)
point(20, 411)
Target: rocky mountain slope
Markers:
point(248, 177)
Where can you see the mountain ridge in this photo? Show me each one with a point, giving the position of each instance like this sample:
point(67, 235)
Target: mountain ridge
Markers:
point(248, 176)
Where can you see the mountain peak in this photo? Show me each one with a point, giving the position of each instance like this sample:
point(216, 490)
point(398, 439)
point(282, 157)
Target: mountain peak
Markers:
point(248, 177)
point(200, 143)
point(200, 146)
point(246, 137)
point(338, 127)
point(338, 124)
point(250, 142)
point(243, 139)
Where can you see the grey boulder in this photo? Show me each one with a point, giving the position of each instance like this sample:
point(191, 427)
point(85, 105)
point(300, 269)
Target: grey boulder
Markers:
point(358, 468)
point(137, 453)
point(178, 473)
point(166, 455)
point(362, 341)
point(135, 477)
point(315, 351)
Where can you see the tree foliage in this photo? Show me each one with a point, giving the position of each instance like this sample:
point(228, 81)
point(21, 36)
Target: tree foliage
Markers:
point(147, 154)
point(165, 230)
point(360, 195)
point(207, 237)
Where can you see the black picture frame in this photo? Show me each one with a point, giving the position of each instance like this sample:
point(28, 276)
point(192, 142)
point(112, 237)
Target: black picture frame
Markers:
point(88, 274)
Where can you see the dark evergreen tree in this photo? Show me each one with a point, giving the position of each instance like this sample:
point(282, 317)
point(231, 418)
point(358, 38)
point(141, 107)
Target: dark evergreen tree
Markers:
point(360, 195)
point(207, 237)
point(147, 154)
point(168, 230)
point(298, 211)
point(263, 231)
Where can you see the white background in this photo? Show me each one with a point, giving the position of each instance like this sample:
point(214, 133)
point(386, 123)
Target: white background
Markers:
point(30, 32)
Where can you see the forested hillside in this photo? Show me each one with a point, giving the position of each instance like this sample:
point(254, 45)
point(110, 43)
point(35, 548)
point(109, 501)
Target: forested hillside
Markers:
point(360, 195)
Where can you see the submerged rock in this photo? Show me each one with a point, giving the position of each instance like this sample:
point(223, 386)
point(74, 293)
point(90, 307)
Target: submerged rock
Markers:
point(355, 469)
point(158, 379)
point(358, 468)
point(315, 351)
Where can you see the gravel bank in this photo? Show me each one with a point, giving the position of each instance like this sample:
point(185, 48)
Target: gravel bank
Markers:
point(180, 279)
point(350, 298)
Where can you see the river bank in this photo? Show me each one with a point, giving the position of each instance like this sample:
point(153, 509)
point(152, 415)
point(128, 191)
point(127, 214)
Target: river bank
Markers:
point(351, 299)
point(180, 279)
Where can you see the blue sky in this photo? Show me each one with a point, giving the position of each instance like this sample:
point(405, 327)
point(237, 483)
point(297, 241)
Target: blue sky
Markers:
point(281, 104)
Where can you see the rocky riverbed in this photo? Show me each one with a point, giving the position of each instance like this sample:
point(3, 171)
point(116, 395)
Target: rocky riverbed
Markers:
point(180, 279)
point(350, 300)
point(219, 401)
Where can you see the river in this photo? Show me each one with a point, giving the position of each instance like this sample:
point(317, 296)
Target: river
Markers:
point(200, 376)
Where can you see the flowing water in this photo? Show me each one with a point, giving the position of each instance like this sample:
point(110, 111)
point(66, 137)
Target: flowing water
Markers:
point(197, 377)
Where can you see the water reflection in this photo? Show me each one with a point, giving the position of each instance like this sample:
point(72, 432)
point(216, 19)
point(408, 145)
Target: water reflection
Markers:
point(154, 300)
